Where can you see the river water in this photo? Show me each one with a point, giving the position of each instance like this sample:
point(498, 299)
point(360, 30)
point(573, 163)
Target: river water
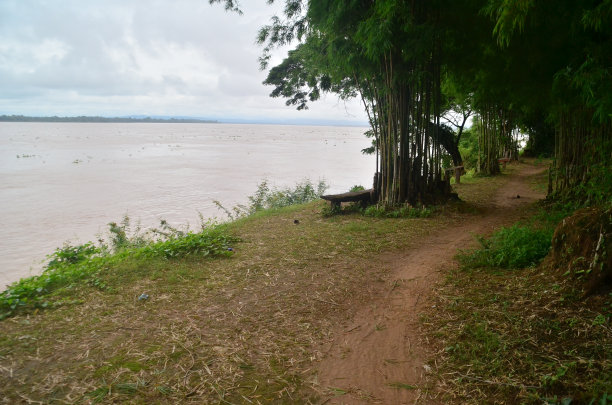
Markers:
point(64, 182)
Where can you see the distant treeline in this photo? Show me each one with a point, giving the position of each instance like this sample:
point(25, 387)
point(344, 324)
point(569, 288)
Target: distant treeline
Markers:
point(21, 118)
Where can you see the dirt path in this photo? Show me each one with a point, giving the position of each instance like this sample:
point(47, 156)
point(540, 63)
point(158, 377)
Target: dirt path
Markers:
point(378, 357)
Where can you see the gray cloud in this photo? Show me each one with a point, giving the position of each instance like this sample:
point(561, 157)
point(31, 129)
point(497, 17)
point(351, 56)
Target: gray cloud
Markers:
point(180, 57)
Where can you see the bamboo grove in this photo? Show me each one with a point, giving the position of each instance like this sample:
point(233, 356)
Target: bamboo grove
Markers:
point(404, 102)
point(583, 156)
point(537, 67)
point(400, 86)
point(497, 138)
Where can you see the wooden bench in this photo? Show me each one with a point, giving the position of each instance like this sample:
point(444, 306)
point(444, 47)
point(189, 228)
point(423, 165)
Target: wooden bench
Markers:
point(336, 200)
point(365, 197)
point(503, 161)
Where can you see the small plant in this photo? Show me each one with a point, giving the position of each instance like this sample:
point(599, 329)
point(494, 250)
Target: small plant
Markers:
point(124, 235)
point(356, 188)
point(72, 254)
point(513, 247)
point(167, 231)
point(329, 210)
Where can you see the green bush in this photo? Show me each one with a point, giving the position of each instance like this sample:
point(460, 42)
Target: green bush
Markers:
point(72, 254)
point(266, 198)
point(513, 247)
point(207, 243)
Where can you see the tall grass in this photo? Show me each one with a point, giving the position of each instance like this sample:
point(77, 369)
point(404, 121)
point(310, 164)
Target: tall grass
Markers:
point(510, 248)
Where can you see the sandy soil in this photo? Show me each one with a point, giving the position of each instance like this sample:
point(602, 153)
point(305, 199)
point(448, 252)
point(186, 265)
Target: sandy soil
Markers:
point(379, 356)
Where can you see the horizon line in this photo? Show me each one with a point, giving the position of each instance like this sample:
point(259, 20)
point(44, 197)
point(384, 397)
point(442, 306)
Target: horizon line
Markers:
point(182, 119)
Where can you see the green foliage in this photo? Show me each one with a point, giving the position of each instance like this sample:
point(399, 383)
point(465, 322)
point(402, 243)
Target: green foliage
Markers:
point(81, 265)
point(266, 198)
point(468, 147)
point(330, 210)
point(211, 242)
point(510, 248)
point(526, 58)
point(72, 254)
point(125, 235)
point(356, 188)
point(404, 211)
point(370, 150)
point(303, 192)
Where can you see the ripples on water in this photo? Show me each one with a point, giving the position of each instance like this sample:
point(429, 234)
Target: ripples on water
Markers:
point(66, 181)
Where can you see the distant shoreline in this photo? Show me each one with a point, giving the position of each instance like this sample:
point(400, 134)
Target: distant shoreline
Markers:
point(178, 120)
point(21, 118)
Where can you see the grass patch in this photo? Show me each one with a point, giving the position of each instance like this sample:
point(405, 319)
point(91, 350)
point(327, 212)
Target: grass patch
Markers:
point(510, 248)
point(404, 211)
point(525, 336)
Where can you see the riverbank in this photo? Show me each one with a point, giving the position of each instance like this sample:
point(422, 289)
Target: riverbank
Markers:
point(261, 326)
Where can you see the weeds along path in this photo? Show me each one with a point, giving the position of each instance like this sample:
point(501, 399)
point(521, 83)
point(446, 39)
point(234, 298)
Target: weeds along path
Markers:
point(380, 354)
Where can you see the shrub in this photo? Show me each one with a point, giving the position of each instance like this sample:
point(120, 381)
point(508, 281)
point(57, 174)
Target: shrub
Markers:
point(303, 192)
point(125, 235)
point(72, 254)
point(211, 242)
point(513, 247)
point(266, 198)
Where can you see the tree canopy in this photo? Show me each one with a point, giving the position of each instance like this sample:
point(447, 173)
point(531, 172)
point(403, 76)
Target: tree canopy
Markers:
point(543, 66)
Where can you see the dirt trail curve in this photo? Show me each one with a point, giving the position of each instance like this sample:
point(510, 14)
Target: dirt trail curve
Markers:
point(378, 357)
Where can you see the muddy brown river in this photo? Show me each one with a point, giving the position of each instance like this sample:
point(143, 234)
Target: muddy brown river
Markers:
point(64, 182)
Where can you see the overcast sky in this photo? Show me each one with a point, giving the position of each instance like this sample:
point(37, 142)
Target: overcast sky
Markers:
point(151, 57)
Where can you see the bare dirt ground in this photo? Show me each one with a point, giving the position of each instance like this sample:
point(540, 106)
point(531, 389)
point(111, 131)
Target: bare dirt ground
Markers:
point(379, 356)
